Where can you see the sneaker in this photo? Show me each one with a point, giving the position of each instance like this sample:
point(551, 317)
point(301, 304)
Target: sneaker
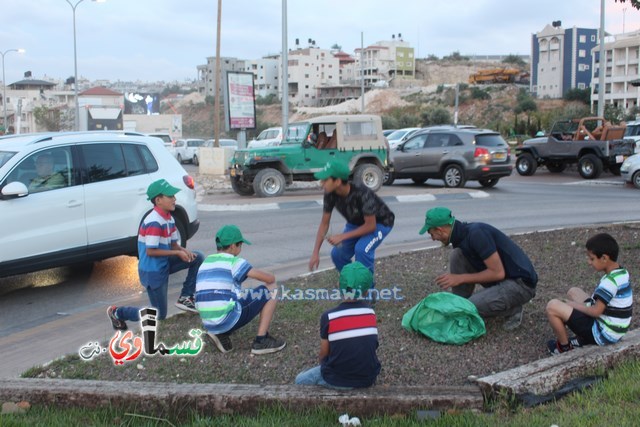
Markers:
point(513, 321)
point(555, 348)
point(119, 325)
point(222, 341)
point(268, 345)
point(575, 342)
point(186, 304)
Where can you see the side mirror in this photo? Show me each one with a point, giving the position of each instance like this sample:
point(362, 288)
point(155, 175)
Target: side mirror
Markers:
point(14, 190)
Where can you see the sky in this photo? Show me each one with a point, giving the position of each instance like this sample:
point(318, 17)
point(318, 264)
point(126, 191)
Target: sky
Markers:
point(165, 40)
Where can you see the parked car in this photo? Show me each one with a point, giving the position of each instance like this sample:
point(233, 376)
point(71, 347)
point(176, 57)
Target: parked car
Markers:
point(453, 155)
point(632, 131)
point(356, 139)
point(399, 136)
point(77, 197)
point(630, 170)
point(226, 143)
point(388, 132)
point(169, 142)
point(268, 138)
point(186, 150)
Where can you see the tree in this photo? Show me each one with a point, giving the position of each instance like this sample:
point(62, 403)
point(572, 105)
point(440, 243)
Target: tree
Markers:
point(613, 114)
point(47, 119)
point(337, 47)
point(582, 95)
point(515, 60)
point(634, 3)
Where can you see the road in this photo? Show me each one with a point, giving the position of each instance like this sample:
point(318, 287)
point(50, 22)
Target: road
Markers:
point(48, 314)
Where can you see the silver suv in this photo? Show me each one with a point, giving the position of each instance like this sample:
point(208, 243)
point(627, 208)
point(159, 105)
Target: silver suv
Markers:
point(453, 155)
point(75, 197)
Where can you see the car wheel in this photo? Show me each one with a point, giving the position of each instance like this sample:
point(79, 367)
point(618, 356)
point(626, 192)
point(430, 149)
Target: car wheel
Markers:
point(556, 167)
point(269, 183)
point(489, 182)
point(388, 178)
point(636, 179)
point(419, 181)
point(453, 176)
point(179, 158)
point(370, 175)
point(615, 169)
point(526, 165)
point(241, 188)
point(589, 166)
point(195, 160)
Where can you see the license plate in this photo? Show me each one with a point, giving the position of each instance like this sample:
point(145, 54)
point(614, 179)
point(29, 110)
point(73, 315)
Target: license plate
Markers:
point(620, 158)
point(232, 172)
point(500, 156)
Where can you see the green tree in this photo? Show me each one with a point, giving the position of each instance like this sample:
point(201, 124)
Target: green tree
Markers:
point(613, 114)
point(514, 60)
point(582, 95)
point(47, 118)
point(455, 56)
point(634, 3)
point(477, 93)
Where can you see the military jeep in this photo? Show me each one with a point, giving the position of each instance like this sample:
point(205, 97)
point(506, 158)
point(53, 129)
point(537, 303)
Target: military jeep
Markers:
point(306, 148)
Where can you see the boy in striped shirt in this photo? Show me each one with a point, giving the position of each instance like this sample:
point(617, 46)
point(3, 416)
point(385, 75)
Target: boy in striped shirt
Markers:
point(223, 304)
point(602, 318)
point(348, 337)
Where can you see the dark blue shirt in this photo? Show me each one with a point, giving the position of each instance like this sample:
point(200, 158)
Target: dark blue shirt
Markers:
point(352, 331)
point(478, 241)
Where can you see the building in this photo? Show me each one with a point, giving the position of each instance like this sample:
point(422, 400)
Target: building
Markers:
point(101, 109)
point(385, 61)
point(266, 72)
point(207, 73)
point(621, 78)
point(561, 60)
point(309, 69)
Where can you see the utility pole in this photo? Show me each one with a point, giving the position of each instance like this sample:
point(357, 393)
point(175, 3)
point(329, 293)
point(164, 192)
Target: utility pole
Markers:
point(602, 69)
point(216, 107)
point(285, 72)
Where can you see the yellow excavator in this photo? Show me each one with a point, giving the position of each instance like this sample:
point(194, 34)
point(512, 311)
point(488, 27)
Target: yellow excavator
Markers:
point(499, 75)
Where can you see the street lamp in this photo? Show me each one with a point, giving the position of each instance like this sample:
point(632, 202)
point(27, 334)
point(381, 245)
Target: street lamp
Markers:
point(75, 61)
point(4, 85)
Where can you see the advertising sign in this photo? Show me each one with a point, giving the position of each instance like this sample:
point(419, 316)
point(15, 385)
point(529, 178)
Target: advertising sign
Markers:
point(242, 107)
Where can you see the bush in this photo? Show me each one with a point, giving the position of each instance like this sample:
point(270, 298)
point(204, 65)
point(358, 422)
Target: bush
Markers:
point(582, 95)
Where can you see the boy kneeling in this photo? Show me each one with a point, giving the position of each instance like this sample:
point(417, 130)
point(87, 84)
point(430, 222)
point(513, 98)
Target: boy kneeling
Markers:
point(602, 318)
point(348, 337)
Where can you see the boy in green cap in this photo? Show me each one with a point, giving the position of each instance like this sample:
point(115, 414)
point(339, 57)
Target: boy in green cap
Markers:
point(160, 255)
point(348, 337)
point(483, 255)
point(369, 219)
point(224, 305)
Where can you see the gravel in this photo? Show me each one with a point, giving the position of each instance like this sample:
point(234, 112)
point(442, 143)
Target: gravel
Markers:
point(407, 358)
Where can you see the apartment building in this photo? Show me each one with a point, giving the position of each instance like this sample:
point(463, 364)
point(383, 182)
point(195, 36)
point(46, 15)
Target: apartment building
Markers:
point(207, 73)
point(266, 73)
point(385, 61)
point(309, 69)
point(622, 73)
point(561, 59)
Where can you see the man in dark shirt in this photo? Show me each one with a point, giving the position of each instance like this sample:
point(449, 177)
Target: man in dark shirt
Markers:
point(483, 254)
point(369, 219)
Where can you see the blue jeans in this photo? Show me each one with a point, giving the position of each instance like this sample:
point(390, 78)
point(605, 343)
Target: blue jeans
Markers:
point(252, 303)
point(313, 376)
point(363, 247)
point(158, 296)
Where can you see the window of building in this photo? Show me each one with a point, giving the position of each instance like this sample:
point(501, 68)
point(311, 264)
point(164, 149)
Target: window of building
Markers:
point(583, 38)
point(593, 37)
point(581, 85)
point(582, 53)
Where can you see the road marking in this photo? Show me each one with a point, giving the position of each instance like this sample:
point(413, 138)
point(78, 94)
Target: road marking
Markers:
point(416, 198)
point(478, 194)
point(256, 207)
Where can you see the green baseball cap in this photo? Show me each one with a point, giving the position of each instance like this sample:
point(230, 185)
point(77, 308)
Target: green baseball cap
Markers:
point(437, 217)
point(356, 276)
point(334, 169)
point(228, 235)
point(161, 187)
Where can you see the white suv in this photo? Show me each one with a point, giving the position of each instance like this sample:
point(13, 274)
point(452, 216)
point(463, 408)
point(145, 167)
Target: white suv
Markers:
point(76, 197)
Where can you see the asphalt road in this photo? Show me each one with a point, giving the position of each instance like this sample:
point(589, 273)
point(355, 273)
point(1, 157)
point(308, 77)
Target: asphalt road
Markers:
point(48, 314)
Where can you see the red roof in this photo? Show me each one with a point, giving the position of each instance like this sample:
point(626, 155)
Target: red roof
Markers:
point(100, 91)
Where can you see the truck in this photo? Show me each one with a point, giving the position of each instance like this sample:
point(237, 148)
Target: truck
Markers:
point(593, 143)
point(306, 148)
point(499, 75)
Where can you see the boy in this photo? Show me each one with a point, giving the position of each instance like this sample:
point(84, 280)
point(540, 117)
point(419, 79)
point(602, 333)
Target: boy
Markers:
point(160, 255)
point(348, 337)
point(222, 303)
point(602, 318)
point(369, 219)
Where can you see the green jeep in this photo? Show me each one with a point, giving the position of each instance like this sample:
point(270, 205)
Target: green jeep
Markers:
point(307, 146)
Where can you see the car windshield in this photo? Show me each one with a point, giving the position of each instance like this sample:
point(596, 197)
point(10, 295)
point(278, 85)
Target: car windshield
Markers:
point(195, 142)
point(227, 143)
point(490, 140)
point(632, 130)
point(5, 156)
point(397, 134)
point(296, 133)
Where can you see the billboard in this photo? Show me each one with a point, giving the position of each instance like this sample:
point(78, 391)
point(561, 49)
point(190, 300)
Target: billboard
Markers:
point(241, 105)
point(141, 103)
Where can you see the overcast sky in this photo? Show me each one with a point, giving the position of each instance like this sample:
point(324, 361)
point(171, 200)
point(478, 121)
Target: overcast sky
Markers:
point(153, 40)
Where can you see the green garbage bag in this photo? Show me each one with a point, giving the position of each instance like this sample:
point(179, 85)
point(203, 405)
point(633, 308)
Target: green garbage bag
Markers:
point(445, 318)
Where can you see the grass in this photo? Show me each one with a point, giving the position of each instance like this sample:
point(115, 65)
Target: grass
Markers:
point(615, 401)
